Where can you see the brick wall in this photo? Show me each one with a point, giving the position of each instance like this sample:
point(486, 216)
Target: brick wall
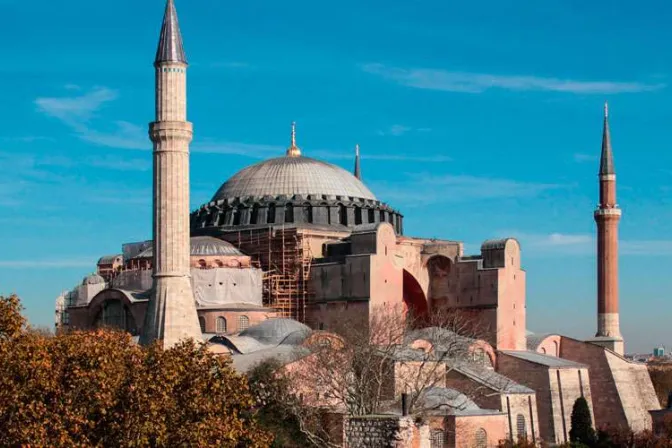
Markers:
point(384, 431)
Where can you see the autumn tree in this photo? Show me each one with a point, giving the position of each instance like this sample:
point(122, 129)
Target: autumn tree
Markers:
point(95, 389)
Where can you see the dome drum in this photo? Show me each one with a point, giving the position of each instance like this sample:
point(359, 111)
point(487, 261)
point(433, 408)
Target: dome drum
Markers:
point(323, 210)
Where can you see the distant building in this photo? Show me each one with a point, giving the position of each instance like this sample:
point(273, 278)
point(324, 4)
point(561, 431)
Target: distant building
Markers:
point(659, 352)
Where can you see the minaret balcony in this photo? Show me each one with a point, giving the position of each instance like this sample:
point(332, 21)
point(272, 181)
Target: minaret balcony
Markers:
point(613, 211)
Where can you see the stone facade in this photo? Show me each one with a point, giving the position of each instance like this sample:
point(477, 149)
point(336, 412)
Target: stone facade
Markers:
point(385, 431)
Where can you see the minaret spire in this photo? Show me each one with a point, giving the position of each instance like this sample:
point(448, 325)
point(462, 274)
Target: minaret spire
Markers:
point(607, 215)
point(358, 169)
point(293, 150)
point(170, 47)
point(171, 314)
point(607, 157)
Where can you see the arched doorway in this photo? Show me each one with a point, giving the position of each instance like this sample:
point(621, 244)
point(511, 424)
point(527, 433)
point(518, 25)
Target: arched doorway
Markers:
point(415, 301)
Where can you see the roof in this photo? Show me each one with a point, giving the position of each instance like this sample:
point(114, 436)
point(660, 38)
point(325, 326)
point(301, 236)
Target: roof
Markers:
point(495, 244)
point(489, 378)
point(276, 331)
point(533, 340)
point(607, 157)
point(203, 246)
point(284, 354)
point(109, 259)
point(452, 402)
point(544, 360)
point(93, 279)
point(170, 47)
point(292, 176)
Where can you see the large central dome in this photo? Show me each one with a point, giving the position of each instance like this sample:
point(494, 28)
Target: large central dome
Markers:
point(291, 176)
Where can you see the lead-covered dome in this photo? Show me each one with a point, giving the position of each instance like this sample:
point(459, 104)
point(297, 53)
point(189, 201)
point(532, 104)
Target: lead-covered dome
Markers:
point(292, 176)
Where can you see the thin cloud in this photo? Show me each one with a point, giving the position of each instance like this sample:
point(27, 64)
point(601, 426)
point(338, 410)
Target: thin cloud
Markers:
point(421, 189)
point(48, 264)
point(127, 136)
point(465, 82)
point(585, 158)
point(76, 110)
point(398, 130)
point(585, 244)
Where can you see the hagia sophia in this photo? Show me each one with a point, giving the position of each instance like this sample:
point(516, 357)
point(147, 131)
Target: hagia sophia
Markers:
point(288, 245)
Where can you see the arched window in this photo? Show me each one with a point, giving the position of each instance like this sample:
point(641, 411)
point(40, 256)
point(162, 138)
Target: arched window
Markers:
point(254, 217)
point(243, 323)
point(478, 356)
point(325, 206)
point(219, 263)
point(358, 216)
point(289, 213)
point(202, 264)
point(342, 215)
point(481, 438)
point(521, 427)
point(307, 211)
point(372, 215)
point(382, 216)
point(270, 215)
point(436, 439)
point(390, 218)
point(221, 325)
point(201, 322)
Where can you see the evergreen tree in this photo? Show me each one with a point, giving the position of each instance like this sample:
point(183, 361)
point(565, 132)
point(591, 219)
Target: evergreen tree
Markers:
point(582, 431)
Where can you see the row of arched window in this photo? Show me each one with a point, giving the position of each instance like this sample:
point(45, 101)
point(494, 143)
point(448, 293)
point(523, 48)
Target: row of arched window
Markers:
point(305, 214)
point(222, 325)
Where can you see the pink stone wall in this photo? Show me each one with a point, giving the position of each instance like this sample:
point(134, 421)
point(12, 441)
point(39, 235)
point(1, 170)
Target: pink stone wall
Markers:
point(233, 320)
point(463, 431)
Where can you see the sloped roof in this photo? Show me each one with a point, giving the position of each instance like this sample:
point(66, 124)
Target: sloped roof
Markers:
point(544, 360)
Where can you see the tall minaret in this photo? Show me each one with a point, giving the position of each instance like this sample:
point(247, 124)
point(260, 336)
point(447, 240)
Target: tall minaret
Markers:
point(171, 312)
point(607, 216)
point(358, 169)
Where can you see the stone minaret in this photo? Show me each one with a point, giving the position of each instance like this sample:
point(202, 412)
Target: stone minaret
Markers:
point(358, 169)
point(171, 312)
point(607, 216)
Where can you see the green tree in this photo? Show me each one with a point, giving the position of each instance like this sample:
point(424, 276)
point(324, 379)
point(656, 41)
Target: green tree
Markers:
point(582, 431)
point(99, 389)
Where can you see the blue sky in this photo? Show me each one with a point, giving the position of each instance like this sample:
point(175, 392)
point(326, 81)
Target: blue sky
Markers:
point(476, 119)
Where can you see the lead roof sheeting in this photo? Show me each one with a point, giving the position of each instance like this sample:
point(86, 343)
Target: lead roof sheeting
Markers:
point(545, 360)
point(291, 176)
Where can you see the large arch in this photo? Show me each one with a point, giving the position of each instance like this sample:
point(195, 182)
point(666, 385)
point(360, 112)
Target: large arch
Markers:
point(440, 269)
point(415, 300)
point(133, 308)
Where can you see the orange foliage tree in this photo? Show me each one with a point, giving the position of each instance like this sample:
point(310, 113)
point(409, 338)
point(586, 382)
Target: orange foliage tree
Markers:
point(95, 389)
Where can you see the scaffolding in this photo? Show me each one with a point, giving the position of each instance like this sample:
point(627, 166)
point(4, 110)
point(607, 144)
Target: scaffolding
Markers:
point(284, 256)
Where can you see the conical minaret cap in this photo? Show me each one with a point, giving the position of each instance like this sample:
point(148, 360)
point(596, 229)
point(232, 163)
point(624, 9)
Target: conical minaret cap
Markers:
point(170, 48)
point(607, 158)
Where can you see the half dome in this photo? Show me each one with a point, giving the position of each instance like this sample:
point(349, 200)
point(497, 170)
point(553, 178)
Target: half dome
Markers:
point(290, 176)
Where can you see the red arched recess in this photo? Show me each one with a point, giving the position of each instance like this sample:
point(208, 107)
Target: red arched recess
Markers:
point(414, 297)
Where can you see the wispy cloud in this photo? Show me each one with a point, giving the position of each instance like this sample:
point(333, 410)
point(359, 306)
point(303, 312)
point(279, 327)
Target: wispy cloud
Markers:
point(585, 158)
point(435, 79)
point(585, 244)
point(420, 189)
point(49, 264)
point(399, 130)
point(77, 111)
point(231, 64)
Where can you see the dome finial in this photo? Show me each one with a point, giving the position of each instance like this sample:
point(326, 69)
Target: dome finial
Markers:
point(358, 170)
point(293, 150)
point(606, 110)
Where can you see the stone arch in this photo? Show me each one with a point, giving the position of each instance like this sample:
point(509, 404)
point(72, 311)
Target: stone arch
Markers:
point(415, 300)
point(481, 438)
point(126, 314)
point(521, 426)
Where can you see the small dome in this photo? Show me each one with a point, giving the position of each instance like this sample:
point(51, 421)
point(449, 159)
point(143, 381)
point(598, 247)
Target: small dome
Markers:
point(93, 279)
point(291, 176)
point(201, 246)
point(278, 331)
